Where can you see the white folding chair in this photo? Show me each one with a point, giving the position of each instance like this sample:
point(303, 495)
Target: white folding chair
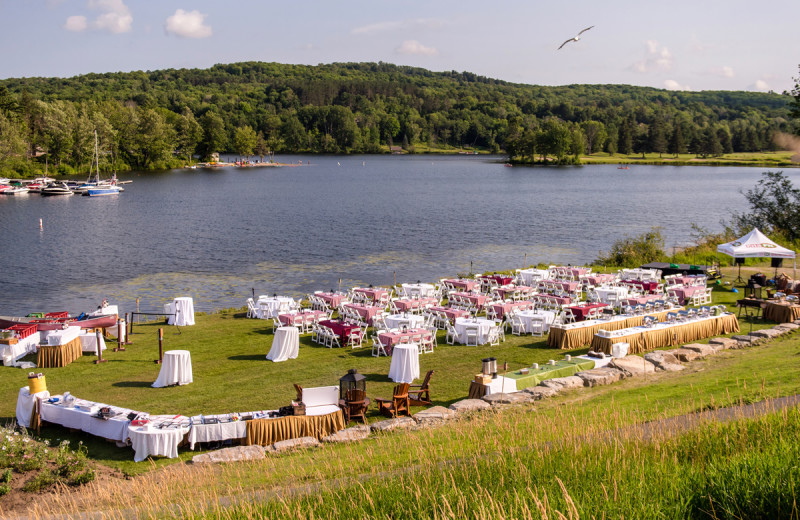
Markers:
point(452, 334)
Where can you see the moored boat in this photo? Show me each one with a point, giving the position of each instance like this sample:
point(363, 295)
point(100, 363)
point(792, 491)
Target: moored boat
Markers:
point(16, 190)
point(84, 321)
point(57, 188)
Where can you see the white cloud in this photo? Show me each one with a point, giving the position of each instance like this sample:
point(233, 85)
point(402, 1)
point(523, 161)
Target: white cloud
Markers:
point(414, 47)
point(188, 24)
point(760, 85)
point(75, 23)
point(398, 25)
point(671, 84)
point(114, 17)
point(657, 57)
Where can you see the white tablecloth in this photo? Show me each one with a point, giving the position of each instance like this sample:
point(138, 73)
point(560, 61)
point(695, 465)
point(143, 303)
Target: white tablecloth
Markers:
point(9, 354)
point(270, 307)
point(497, 385)
point(216, 432)
point(638, 274)
point(405, 363)
point(285, 344)
point(25, 402)
point(183, 308)
point(89, 342)
point(462, 324)
point(527, 318)
point(112, 331)
point(603, 292)
point(153, 441)
point(412, 321)
point(422, 290)
point(62, 336)
point(531, 276)
point(115, 428)
point(176, 369)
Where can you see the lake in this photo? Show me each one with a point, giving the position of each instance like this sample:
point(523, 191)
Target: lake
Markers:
point(217, 234)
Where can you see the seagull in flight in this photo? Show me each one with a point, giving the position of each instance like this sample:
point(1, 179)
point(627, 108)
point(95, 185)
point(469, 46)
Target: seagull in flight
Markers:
point(576, 38)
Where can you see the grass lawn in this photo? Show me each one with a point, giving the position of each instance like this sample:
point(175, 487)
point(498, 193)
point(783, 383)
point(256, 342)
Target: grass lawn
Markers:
point(231, 373)
point(779, 158)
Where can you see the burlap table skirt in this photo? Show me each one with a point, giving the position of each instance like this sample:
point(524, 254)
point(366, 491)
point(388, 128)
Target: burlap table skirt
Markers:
point(569, 339)
point(51, 356)
point(677, 335)
point(269, 431)
point(781, 312)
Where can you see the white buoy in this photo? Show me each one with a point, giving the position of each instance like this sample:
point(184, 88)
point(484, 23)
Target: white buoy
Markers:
point(40, 224)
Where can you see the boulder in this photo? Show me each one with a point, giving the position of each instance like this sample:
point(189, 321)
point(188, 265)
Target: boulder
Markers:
point(723, 343)
point(790, 326)
point(685, 355)
point(538, 393)
point(294, 444)
point(766, 333)
point(507, 398)
point(703, 350)
point(233, 454)
point(469, 405)
point(748, 340)
point(560, 383)
point(601, 376)
point(433, 416)
point(355, 433)
point(393, 424)
point(663, 360)
point(633, 366)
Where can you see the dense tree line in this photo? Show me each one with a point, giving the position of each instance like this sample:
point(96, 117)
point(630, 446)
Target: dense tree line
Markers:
point(158, 118)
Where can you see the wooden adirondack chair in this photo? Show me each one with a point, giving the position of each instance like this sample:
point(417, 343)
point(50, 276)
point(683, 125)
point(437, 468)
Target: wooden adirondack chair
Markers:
point(355, 405)
point(421, 396)
point(397, 405)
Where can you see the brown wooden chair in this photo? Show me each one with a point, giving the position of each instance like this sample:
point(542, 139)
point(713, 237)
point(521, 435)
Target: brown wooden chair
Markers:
point(299, 390)
point(422, 396)
point(476, 390)
point(354, 405)
point(397, 405)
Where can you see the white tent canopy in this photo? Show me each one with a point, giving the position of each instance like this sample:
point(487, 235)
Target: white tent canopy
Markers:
point(754, 245)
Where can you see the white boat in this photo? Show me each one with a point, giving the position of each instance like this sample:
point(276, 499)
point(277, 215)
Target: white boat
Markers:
point(57, 188)
point(16, 190)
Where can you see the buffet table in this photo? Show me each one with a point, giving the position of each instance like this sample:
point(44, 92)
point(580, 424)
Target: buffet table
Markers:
point(53, 356)
point(152, 440)
point(642, 339)
point(269, 431)
point(781, 312)
point(26, 405)
point(562, 368)
point(575, 335)
point(225, 427)
point(78, 416)
point(10, 354)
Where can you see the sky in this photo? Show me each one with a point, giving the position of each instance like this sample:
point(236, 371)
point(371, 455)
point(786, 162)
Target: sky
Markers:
point(676, 45)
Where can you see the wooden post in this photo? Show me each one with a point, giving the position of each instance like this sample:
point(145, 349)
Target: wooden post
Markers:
point(137, 305)
point(130, 326)
point(98, 338)
point(160, 346)
point(120, 330)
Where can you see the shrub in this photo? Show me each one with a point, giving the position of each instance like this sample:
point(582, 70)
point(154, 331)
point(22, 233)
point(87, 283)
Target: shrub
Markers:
point(40, 482)
point(5, 478)
point(635, 251)
point(4, 489)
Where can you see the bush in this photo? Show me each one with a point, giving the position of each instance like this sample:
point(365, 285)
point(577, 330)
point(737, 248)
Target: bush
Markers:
point(635, 251)
point(4, 489)
point(5, 478)
point(40, 482)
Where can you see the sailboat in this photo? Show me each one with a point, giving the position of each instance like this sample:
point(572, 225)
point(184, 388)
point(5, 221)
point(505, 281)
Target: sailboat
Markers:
point(98, 188)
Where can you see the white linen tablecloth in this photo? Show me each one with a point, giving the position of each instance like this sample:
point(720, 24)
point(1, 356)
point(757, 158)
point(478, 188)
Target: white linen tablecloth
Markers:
point(62, 336)
point(9, 354)
point(218, 432)
point(176, 369)
point(285, 344)
point(114, 332)
point(89, 342)
point(501, 384)
point(149, 440)
point(405, 363)
point(531, 276)
point(270, 307)
point(412, 321)
point(603, 292)
point(421, 290)
point(462, 324)
point(183, 308)
point(527, 317)
point(115, 428)
point(25, 402)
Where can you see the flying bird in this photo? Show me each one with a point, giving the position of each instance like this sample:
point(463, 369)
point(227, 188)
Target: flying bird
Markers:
point(576, 38)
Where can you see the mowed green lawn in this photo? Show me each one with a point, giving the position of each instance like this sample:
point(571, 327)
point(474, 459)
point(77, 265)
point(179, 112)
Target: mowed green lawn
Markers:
point(231, 373)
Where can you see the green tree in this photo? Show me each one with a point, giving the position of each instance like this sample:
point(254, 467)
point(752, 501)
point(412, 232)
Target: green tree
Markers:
point(214, 137)
point(677, 144)
point(657, 136)
point(626, 134)
point(774, 207)
point(594, 133)
point(155, 141)
point(188, 134)
point(244, 141)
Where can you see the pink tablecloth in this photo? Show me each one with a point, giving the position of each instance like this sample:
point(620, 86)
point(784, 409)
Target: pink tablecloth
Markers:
point(374, 294)
point(304, 317)
point(393, 338)
point(343, 330)
point(477, 299)
point(690, 280)
point(642, 300)
point(405, 304)
point(502, 279)
point(451, 313)
point(685, 293)
point(601, 278)
point(365, 311)
point(647, 285)
point(501, 309)
point(581, 311)
point(332, 299)
point(461, 283)
point(578, 271)
point(506, 292)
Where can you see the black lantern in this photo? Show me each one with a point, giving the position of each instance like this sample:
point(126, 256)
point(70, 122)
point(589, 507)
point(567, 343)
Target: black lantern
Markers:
point(352, 381)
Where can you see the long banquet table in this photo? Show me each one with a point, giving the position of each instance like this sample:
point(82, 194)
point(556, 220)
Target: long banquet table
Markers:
point(574, 335)
point(269, 431)
point(562, 368)
point(642, 338)
point(781, 312)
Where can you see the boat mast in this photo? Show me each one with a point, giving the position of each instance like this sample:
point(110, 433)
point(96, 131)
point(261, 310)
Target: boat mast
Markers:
point(96, 158)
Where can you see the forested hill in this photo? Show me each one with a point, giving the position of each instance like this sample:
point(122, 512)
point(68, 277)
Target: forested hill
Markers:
point(144, 118)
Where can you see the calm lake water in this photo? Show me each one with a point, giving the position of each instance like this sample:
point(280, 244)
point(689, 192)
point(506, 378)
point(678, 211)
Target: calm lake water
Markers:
point(218, 234)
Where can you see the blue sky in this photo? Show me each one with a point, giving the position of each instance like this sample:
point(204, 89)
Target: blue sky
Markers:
point(692, 45)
